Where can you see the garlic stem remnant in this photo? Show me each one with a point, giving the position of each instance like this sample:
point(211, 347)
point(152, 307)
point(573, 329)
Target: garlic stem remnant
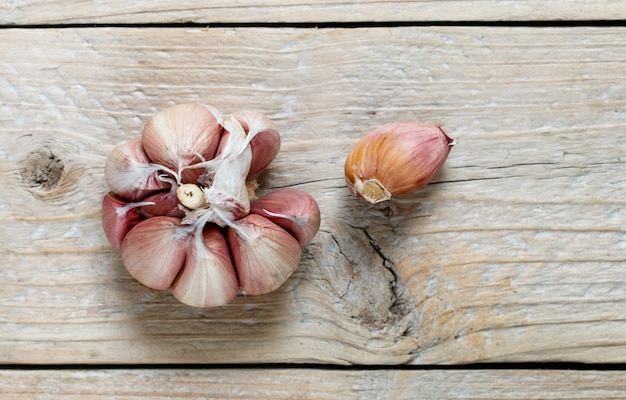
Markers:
point(191, 196)
point(396, 158)
point(180, 207)
point(372, 190)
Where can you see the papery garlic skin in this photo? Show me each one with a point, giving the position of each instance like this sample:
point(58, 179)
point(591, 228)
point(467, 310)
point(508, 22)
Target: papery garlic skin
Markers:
point(228, 193)
point(396, 158)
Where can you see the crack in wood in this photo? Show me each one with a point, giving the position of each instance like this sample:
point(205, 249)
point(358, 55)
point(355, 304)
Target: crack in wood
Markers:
point(398, 306)
point(341, 253)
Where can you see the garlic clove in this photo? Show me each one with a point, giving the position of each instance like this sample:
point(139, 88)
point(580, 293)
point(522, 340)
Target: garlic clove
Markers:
point(208, 277)
point(293, 210)
point(263, 253)
point(180, 136)
point(118, 217)
point(265, 142)
point(129, 172)
point(154, 251)
point(396, 158)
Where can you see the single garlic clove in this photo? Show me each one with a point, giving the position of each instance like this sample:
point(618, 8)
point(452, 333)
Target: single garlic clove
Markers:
point(396, 158)
point(263, 253)
point(118, 217)
point(293, 210)
point(154, 251)
point(180, 136)
point(129, 172)
point(265, 143)
point(208, 278)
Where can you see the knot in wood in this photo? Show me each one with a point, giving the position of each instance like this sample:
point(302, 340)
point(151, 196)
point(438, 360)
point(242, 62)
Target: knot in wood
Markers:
point(42, 169)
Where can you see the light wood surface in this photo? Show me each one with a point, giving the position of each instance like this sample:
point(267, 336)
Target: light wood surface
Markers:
point(514, 253)
point(306, 383)
point(297, 11)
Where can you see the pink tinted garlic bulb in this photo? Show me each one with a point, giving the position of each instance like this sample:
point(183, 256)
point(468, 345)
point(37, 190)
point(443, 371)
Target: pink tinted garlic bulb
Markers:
point(182, 213)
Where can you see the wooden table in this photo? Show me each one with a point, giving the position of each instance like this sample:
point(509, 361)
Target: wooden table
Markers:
point(505, 278)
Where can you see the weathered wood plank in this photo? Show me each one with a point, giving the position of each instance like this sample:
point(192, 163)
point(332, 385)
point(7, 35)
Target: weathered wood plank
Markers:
point(295, 11)
point(515, 253)
point(307, 383)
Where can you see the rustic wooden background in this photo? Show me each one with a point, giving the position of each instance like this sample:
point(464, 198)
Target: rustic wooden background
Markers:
point(515, 253)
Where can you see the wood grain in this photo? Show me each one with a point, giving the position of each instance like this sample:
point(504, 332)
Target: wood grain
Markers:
point(514, 253)
point(306, 383)
point(296, 11)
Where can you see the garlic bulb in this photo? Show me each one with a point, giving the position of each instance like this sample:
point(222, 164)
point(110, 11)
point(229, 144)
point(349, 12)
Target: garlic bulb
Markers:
point(180, 207)
point(396, 158)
